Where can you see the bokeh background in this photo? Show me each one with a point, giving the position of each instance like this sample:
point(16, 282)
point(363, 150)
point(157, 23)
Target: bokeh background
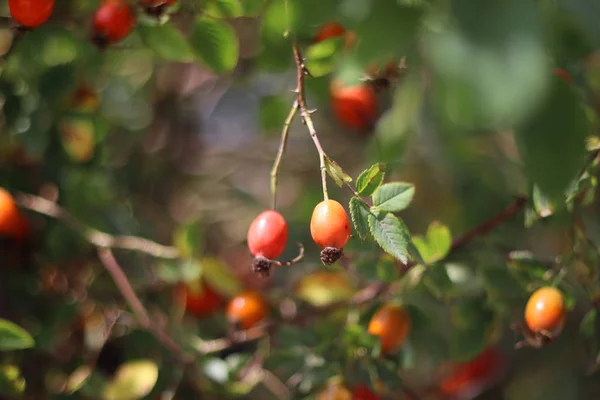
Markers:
point(171, 135)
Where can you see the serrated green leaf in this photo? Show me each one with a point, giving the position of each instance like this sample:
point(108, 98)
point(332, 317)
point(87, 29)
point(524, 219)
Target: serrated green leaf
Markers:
point(393, 197)
point(370, 179)
point(215, 44)
point(552, 141)
point(13, 337)
point(391, 234)
point(166, 41)
point(360, 217)
point(336, 172)
point(436, 243)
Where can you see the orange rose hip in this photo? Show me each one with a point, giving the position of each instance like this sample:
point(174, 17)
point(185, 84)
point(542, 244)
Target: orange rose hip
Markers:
point(391, 323)
point(545, 311)
point(330, 229)
point(247, 309)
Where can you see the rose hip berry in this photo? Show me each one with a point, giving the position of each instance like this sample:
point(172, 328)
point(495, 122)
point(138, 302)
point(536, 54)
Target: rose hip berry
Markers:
point(391, 323)
point(472, 376)
point(267, 237)
point(199, 298)
point(113, 21)
point(247, 309)
point(355, 107)
point(330, 229)
point(545, 311)
point(13, 224)
point(31, 13)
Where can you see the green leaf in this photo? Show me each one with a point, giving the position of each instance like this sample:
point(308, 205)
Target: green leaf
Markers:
point(393, 197)
point(436, 243)
point(552, 141)
point(391, 234)
point(166, 41)
point(588, 323)
point(132, 381)
point(13, 337)
point(224, 8)
point(360, 217)
point(215, 44)
point(273, 111)
point(321, 56)
point(336, 172)
point(370, 179)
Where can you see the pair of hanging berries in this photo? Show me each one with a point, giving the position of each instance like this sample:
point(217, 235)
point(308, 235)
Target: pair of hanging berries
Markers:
point(268, 235)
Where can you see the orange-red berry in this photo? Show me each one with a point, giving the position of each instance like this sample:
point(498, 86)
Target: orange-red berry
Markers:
point(31, 13)
point(199, 298)
point(268, 235)
point(391, 323)
point(247, 309)
point(329, 225)
point(474, 375)
point(545, 311)
point(330, 30)
point(13, 224)
point(355, 107)
point(113, 21)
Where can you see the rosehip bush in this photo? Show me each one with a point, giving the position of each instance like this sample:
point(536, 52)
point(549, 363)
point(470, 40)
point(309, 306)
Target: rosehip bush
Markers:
point(299, 199)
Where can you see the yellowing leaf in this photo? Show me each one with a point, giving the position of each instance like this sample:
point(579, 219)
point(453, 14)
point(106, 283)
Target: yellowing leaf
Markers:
point(132, 381)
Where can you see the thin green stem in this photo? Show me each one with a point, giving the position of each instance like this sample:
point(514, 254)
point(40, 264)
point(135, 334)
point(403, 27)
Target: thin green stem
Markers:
point(284, 137)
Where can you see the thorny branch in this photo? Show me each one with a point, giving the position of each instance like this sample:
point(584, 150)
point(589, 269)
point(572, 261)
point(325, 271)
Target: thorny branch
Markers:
point(301, 72)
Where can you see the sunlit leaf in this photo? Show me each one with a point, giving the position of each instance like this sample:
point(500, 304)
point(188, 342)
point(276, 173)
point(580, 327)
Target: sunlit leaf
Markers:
point(13, 337)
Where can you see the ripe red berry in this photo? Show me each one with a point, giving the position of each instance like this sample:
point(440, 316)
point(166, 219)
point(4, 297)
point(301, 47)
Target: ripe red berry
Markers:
point(113, 21)
point(473, 376)
point(247, 309)
point(268, 235)
point(31, 13)
point(545, 311)
point(391, 323)
point(199, 298)
point(12, 223)
point(355, 107)
point(362, 392)
point(330, 229)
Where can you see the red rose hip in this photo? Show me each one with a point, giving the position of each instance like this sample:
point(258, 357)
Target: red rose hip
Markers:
point(267, 237)
point(31, 13)
point(113, 22)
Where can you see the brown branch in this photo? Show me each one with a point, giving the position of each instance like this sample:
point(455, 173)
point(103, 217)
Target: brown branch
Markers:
point(301, 72)
point(489, 225)
point(116, 272)
point(94, 236)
